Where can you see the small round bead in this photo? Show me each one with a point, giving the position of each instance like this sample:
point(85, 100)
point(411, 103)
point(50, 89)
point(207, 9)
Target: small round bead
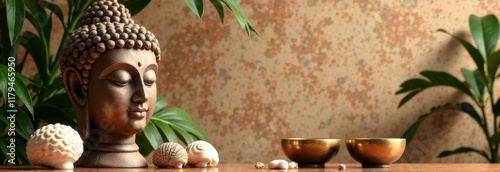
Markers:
point(91, 60)
point(94, 54)
point(138, 44)
point(76, 53)
point(101, 47)
point(115, 36)
point(95, 8)
point(102, 31)
point(108, 13)
point(89, 42)
point(154, 47)
point(110, 44)
point(87, 66)
point(111, 30)
point(93, 33)
point(115, 19)
point(106, 37)
point(72, 46)
point(82, 60)
point(86, 54)
point(88, 21)
point(141, 36)
point(106, 19)
point(100, 13)
point(77, 41)
point(124, 20)
point(147, 45)
point(81, 46)
point(79, 66)
point(124, 35)
point(85, 81)
point(129, 43)
point(85, 36)
point(86, 73)
point(97, 39)
point(96, 20)
point(120, 43)
point(117, 13)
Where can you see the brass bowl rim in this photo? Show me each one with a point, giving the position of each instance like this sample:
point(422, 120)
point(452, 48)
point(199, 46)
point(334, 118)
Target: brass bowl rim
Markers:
point(302, 138)
point(381, 138)
point(376, 141)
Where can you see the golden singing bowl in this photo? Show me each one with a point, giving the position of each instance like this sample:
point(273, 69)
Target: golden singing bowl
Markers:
point(376, 152)
point(313, 152)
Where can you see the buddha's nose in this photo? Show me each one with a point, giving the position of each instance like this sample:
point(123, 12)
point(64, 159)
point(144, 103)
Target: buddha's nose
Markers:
point(140, 93)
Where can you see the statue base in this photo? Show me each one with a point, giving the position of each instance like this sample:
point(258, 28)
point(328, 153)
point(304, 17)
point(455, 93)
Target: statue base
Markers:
point(112, 156)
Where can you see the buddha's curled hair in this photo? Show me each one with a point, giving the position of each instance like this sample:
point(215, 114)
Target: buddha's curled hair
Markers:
point(106, 25)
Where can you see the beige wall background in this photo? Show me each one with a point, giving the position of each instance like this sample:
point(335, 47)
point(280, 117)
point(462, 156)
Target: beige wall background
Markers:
point(321, 68)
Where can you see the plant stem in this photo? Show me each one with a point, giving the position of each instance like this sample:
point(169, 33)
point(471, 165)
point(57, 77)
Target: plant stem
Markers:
point(494, 151)
point(74, 16)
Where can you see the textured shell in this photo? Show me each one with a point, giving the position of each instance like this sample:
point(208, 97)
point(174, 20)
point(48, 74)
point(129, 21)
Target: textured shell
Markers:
point(170, 155)
point(202, 154)
point(55, 145)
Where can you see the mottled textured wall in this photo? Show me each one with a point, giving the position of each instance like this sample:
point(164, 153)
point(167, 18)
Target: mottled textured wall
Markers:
point(321, 68)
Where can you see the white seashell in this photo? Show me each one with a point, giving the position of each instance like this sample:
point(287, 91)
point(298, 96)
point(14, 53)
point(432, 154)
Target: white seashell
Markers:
point(293, 165)
point(202, 154)
point(259, 165)
point(278, 164)
point(54, 145)
point(170, 155)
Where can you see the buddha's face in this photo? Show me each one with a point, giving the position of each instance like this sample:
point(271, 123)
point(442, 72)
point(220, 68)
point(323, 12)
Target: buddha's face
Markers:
point(122, 91)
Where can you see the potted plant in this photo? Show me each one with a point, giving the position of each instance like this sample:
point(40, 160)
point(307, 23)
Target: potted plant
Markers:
point(29, 103)
point(478, 86)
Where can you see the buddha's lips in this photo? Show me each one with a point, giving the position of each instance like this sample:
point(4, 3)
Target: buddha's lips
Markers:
point(137, 113)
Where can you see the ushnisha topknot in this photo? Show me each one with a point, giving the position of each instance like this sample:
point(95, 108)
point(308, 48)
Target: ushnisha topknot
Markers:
point(106, 25)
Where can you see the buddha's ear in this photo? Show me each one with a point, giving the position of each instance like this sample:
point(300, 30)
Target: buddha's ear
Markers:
point(73, 84)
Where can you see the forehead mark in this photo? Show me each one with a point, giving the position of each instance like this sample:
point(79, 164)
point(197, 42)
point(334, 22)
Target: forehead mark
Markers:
point(139, 64)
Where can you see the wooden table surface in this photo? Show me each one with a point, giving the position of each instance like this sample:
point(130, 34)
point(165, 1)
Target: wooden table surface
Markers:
point(352, 167)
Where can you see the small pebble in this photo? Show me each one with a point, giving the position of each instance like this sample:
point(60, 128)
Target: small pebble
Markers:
point(278, 164)
point(259, 165)
point(342, 167)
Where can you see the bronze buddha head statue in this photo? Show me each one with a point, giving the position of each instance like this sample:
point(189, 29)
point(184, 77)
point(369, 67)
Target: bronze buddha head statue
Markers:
point(109, 68)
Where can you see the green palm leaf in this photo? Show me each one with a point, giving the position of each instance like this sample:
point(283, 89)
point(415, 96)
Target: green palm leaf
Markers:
point(485, 33)
point(476, 83)
point(196, 6)
point(473, 52)
point(463, 150)
point(417, 85)
point(15, 18)
point(410, 133)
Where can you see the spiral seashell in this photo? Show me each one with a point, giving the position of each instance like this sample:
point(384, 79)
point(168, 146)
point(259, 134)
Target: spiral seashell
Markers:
point(170, 155)
point(55, 145)
point(202, 154)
